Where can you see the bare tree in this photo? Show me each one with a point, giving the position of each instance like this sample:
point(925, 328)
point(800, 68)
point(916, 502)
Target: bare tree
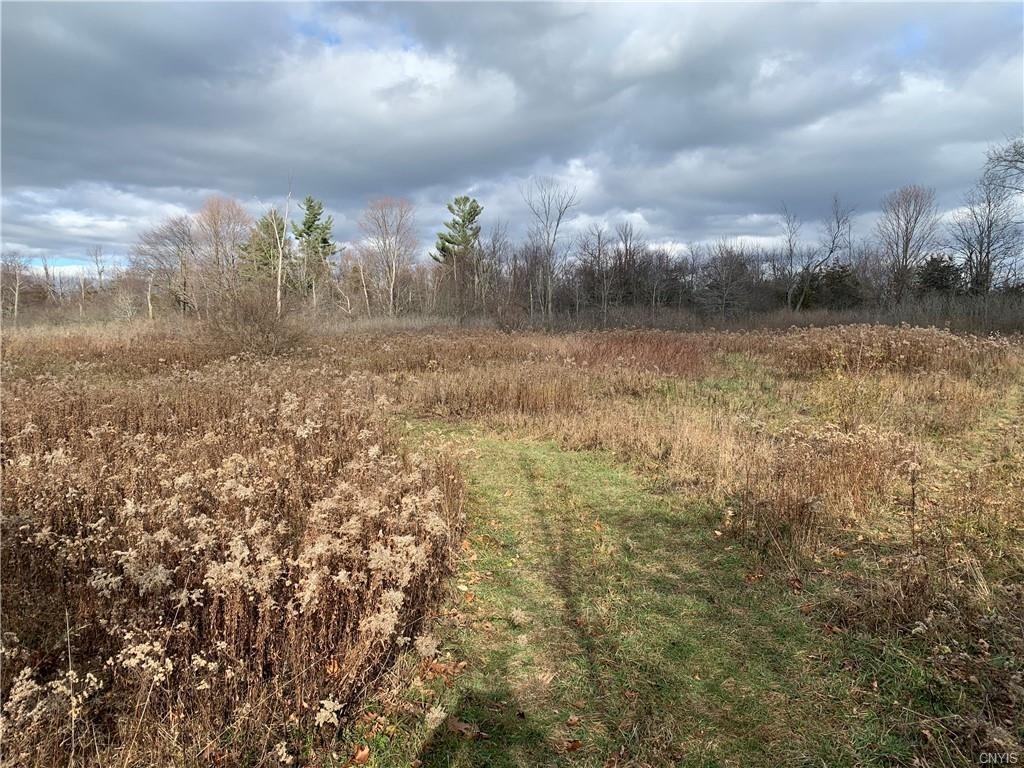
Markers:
point(280, 242)
point(985, 231)
point(1006, 164)
point(14, 268)
point(222, 229)
point(836, 238)
point(786, 268)
point(54, 289)
point(549, 202)
point(492, 263)
point(168, 252)
point(726, 277)
point(390, 245)
point(596, 260)
point(629, 256)
point(659, 275)
point(58, 278)
point(81, 293)
point(906, 229)
point(99, 263)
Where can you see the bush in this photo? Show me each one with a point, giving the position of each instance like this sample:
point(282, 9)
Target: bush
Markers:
point(247, 321)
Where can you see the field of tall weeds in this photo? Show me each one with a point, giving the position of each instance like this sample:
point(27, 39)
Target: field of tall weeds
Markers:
point(209, 558)
point(881, 469)
point(207, 566)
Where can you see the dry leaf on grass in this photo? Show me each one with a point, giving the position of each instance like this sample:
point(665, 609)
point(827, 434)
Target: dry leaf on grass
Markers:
point(466, 730)
point(569, 745)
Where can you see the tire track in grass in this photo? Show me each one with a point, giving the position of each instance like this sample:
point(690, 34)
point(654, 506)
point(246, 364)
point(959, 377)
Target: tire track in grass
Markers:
point(594, 610)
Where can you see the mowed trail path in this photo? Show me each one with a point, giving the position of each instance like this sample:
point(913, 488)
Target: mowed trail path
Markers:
point(604, 624)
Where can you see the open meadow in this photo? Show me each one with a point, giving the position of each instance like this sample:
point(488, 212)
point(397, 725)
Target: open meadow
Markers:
point(446, 547)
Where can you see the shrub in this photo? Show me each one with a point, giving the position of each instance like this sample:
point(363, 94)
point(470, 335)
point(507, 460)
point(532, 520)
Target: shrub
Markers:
point(246, 320)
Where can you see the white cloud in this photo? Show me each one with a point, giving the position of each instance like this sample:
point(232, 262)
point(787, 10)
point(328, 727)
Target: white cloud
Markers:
point(688, 119)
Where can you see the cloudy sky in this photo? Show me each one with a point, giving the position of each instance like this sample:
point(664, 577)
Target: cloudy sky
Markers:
point(694, 120)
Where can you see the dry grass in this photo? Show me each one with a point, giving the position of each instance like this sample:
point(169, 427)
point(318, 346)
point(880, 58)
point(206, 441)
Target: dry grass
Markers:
point(206, 567)
point(903, 349)
point(886, 463)
point(881, 469)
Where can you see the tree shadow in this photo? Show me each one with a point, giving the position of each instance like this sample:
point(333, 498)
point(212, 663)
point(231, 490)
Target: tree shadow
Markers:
point(514, 738)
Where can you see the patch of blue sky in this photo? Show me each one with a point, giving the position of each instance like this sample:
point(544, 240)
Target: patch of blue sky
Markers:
point(314, 30)
point(911, 40)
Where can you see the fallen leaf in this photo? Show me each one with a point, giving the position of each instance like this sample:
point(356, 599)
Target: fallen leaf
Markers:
point(333, 668)
point(362, 756)
point(466, 730)
point(573, 721)
point(572, 745)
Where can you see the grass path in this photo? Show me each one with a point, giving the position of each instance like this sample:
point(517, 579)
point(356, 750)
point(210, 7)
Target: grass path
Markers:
point(602, 624)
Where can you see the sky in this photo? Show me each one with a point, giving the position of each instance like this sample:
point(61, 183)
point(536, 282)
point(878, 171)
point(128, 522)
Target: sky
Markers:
point(692, 121)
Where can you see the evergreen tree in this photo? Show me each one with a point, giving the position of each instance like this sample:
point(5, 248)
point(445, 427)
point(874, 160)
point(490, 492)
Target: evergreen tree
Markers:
point(316, 245)
point(837, 287)
point(261, 248)
point(456, 248)
point(314, 232)
point(939, 274)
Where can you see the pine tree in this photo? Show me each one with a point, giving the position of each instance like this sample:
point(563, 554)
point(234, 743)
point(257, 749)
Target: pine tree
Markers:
point(316, 246)
point(261, 248)
point(457, 246)
point(315, 229)
point(939, 274)
point(837, 288)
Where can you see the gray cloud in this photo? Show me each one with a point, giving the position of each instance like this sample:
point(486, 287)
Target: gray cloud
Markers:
point(696, 120)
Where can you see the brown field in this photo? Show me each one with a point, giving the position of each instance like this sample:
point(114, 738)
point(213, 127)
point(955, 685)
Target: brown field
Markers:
point(219, 557)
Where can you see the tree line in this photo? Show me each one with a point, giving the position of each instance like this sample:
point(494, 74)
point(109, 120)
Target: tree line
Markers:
point(196, 265)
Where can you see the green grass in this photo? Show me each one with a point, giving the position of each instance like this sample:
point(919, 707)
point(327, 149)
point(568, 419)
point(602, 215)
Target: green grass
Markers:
point(649, 638)
point(585, 595)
